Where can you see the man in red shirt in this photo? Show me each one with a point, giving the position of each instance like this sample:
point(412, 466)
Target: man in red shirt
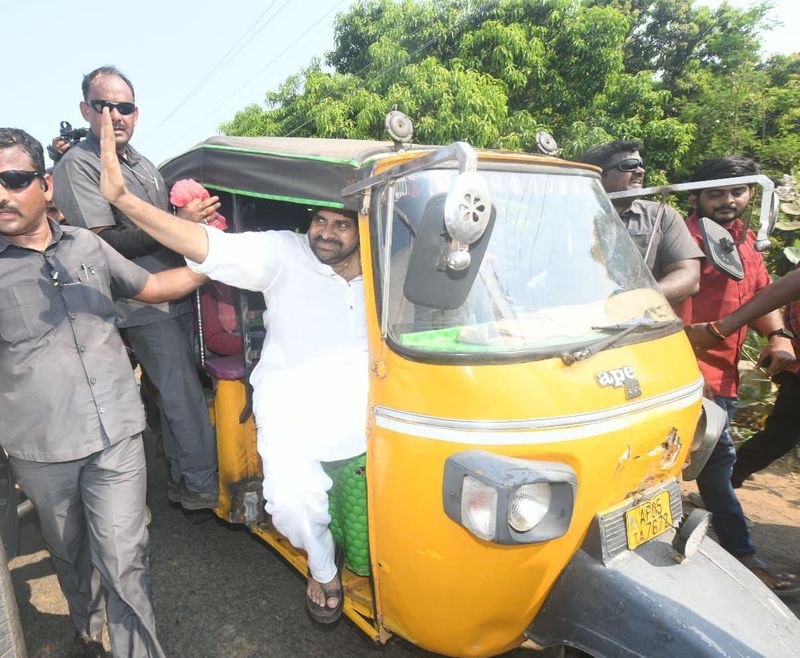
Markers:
point(718, 296)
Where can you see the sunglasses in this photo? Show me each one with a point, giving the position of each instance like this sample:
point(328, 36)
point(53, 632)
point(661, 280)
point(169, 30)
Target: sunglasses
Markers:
point(123, 108)
point(629, 164)
point(14, 180)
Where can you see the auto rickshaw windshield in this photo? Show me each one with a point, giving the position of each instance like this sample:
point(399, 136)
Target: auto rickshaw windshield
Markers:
point(559, 270)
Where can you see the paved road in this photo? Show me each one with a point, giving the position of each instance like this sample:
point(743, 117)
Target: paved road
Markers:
point(219, 591)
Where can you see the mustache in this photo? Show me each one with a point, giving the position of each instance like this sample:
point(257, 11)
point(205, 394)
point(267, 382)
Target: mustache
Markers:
point(5, 207)
point(321, 240)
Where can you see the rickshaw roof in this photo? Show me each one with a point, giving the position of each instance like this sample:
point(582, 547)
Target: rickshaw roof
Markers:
point(297, 169)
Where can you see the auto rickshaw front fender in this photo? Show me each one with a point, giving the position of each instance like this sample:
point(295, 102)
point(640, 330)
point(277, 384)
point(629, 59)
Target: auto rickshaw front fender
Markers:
point(644, 603)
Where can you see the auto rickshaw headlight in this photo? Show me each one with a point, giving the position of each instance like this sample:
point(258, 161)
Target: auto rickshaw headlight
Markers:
point(479, 508)
point(508, 500)
point(528, 506)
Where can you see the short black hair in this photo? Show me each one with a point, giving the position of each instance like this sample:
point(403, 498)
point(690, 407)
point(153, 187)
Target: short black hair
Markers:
point(727, 167)
point(601, 156)
point(11, 137)
point(99, 72)
point(352, 214)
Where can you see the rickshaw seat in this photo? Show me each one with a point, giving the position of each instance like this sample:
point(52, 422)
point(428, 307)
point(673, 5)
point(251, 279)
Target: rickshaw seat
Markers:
point(226, 367)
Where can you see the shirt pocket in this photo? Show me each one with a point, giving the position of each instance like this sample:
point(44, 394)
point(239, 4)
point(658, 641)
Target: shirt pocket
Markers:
point(28, 310)
point(97, 292)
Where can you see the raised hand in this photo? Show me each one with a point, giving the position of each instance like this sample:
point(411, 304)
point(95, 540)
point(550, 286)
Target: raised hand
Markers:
point(112, 185)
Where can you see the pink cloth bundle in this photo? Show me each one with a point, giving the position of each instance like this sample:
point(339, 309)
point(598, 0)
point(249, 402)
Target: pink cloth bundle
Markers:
point(188, 189)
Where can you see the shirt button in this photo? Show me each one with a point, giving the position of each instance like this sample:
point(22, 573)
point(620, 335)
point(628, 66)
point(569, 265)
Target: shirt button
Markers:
point(81, 348)
point(72, 316)
point(92, 380)
point(102, 410)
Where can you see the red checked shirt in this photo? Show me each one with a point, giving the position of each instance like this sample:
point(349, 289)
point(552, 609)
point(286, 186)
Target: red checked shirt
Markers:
point(718, 296)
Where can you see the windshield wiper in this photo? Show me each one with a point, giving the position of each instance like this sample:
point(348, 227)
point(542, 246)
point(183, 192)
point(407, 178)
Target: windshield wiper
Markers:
point(622, 329)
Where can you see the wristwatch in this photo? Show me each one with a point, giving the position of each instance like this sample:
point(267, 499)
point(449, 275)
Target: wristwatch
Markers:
point(782, 332)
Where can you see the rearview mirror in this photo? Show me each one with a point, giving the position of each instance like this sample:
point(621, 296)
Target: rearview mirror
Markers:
point(720, 249)
point(430, 280)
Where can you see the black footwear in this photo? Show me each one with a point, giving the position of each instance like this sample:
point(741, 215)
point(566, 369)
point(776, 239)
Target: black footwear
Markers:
point(197, 500)
point(322, 613)
point(86, 647)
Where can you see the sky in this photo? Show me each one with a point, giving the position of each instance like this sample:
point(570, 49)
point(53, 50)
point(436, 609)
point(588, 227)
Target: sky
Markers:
point(193, 63)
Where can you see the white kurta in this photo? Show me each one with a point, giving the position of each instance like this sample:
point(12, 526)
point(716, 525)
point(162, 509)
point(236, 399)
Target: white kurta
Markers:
point(310, 386)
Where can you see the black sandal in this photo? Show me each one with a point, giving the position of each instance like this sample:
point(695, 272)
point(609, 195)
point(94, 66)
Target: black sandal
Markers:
point(324, 614)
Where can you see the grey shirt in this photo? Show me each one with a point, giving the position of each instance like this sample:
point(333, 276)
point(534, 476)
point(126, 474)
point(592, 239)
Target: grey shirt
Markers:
point(67, 389)
point(671, 243)
point(77, 194)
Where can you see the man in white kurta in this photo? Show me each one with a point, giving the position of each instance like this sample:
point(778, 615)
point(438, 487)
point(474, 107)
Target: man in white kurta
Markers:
point(310, 386)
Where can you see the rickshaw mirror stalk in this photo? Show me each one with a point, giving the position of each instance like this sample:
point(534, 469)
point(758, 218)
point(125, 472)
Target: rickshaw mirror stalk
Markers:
point(766, 223)
point(461, 152)
point(507, 500)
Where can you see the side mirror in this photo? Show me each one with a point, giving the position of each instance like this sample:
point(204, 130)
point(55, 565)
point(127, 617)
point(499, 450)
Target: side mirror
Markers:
point(431, 281)
point(720, 249)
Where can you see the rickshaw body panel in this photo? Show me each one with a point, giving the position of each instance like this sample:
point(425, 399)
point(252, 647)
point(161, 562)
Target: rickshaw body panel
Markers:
point(469, 596)
point(437, 584)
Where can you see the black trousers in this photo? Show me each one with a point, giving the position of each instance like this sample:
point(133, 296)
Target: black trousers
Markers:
point(780, 434)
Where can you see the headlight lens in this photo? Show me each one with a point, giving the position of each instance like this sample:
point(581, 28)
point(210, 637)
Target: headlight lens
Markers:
point(528, 506)
point(479, 508)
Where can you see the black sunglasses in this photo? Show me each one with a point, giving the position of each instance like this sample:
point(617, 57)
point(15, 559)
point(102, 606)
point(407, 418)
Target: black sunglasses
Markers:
point(18, 180)
point(123, 108)
point(629, 164)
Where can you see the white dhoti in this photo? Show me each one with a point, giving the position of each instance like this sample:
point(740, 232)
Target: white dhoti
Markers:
point(295, 489)
point(307, 415)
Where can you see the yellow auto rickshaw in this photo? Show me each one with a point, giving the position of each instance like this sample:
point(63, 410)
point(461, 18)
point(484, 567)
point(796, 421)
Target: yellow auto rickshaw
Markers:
point(533, 405)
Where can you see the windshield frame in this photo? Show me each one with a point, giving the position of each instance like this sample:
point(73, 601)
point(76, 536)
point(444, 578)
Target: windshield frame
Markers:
point(381, 232)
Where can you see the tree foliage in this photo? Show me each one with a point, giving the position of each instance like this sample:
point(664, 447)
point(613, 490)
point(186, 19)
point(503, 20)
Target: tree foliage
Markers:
point(686, 79)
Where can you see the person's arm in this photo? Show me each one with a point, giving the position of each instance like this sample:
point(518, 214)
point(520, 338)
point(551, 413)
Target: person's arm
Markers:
point(779, 353)
point(705, 335)
point(768, 299)
point(130, 241)
point(183, 237)
point(170, 284)
point(680, 280)
point(678, 258)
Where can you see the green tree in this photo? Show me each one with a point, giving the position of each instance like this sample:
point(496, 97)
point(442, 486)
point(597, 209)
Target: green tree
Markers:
point(684, 78)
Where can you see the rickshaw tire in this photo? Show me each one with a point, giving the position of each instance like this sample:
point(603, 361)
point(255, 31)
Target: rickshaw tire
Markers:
point(12, 641)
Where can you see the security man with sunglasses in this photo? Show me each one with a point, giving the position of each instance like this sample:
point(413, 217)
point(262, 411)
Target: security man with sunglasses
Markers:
point(72, 418)
point(671, 254)
point(160, 335)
